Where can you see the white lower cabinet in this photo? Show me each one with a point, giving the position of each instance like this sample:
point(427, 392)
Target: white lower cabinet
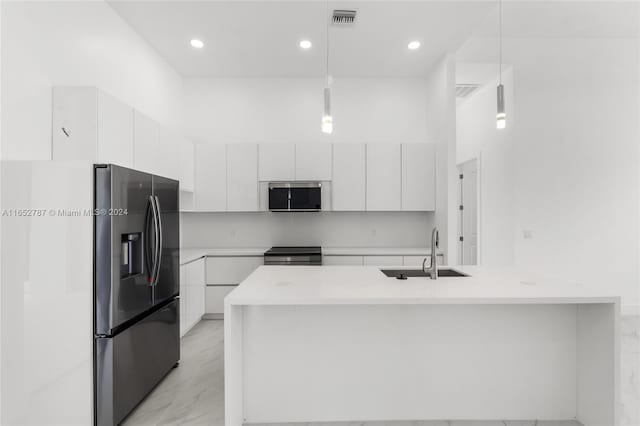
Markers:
point(192, 294)
point(224, 273)
point(342, 260)
point(383, 260)
point(215, 298)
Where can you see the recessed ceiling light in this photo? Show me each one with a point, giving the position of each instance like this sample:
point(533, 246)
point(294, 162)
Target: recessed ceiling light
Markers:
point(413, 45)
point(305, 44)
point(198, 44)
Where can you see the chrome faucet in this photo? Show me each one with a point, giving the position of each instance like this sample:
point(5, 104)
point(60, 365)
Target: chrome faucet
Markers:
point(433, 266)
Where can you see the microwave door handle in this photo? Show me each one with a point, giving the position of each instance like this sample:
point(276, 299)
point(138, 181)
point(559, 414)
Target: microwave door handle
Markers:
point(160, 239)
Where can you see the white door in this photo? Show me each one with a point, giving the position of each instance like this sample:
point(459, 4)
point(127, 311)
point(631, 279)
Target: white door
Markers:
point(210, 177)
point(242, 177)
point(349, 177)
point(468, 213)
point(384, 166)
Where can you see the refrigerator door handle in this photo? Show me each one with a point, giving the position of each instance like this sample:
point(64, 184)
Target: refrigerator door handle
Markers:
point(160, 242)
point(156, 242)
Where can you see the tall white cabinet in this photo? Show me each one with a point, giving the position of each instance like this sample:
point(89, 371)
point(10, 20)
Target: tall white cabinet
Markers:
point(418, 176)
point(349, 177)
point(91, 125)
point(211, 177)
point(384, 168)
point(242, 177)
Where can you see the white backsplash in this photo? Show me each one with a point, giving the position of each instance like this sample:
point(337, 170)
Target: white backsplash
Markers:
point(328, 229)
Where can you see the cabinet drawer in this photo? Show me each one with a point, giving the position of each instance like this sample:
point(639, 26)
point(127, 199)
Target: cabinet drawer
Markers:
point(215, 298)
point(383, 260)
point(230, 270)
point(342, 260)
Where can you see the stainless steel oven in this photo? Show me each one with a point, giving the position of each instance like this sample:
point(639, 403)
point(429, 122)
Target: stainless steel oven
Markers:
point(293, 256)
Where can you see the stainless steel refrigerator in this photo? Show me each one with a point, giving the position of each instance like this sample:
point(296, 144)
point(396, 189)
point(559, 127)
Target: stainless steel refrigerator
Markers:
point(136, 287)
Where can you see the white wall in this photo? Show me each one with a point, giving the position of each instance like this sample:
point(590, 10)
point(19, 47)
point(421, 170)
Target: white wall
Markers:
point(441, 129)
point(226, 110)
point(327, 229)
point(46, 44)
point(573, 150)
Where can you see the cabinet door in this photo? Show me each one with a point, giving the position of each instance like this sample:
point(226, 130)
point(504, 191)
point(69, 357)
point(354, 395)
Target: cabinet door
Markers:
point(383, 177)
point(342, 260)
point(169, 150)
point(215, 298)
point(146, 140)
point(276, 162)
point(418, 176)
point(242, 177)
point(184, 296)
point(186, 165)
point(231, 270)
point(210, 177)
point(349, 177)
point(75, 124)
point(383, 260)
point(115, 131)
point(313, 161)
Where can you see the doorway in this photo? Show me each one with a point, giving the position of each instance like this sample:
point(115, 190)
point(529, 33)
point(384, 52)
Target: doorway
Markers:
point(468, 213)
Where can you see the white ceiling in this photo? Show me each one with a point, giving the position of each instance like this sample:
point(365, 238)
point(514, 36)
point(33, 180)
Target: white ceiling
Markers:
point(260, 38)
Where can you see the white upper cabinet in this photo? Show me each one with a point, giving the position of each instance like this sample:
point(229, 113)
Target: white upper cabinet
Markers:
point(75, 123)
point(146, 140)
point(242, 177)
point(169, 150)
point(115, 131)
point(91, 125)
point(210, 177)
point(384, 165)
point(349, 177)
point(313, 161)
point(276, 162)
point(186, 165)
point(418, 176)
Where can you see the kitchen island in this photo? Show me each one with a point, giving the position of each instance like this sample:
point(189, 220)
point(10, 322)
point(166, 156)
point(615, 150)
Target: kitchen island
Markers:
point(347, 343)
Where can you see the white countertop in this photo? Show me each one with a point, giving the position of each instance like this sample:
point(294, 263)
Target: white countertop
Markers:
point(189, 254)
point(345, 285)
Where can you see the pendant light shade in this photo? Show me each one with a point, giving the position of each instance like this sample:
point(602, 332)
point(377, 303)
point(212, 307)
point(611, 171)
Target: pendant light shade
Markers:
point(327, 120)
point(501, 116)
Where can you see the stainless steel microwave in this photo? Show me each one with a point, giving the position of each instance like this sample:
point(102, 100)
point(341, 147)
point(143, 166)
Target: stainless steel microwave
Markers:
point(295, 196)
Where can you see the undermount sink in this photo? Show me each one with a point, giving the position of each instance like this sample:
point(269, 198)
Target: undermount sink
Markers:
point(412, 273)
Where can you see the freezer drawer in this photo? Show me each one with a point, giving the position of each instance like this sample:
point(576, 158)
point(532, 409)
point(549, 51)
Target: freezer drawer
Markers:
point(129, 365)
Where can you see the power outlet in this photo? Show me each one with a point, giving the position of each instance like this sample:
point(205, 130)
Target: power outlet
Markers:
point(527, 234)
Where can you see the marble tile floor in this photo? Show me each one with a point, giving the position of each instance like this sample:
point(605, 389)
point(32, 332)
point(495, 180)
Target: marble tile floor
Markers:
point(193, 394)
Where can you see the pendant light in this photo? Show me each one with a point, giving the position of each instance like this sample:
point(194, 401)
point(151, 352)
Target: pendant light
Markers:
point(501, 115)
point(327, 119)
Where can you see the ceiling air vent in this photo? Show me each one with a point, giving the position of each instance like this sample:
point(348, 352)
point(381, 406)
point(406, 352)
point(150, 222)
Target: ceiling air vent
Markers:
point(344, 17)
point(464, 90)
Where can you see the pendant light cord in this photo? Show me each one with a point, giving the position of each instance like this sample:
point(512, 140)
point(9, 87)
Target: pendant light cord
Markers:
point(327, 35)
point(500, 31)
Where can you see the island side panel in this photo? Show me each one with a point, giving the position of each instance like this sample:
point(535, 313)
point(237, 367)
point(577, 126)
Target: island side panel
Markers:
point(598, 364)
point(408, 362)
point(233, 365)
